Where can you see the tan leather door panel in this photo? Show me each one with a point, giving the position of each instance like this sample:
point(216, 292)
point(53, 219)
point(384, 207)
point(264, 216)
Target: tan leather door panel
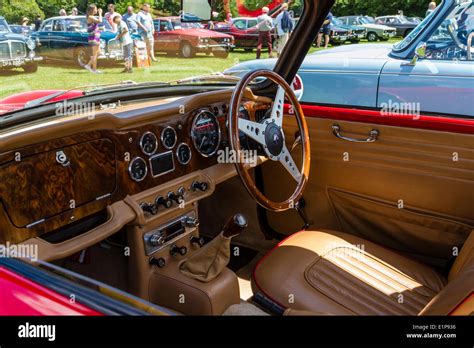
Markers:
point(412, 189)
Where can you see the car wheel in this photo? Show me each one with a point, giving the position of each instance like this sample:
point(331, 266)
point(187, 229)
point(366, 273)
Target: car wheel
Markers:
point(371, 36)
point(187, 51)
point(30, 68)
point(220, 54)
point(81, 56)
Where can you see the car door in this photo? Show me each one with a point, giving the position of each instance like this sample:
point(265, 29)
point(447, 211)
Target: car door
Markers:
point(57, 39)
point(44, 37)
point(163, 39)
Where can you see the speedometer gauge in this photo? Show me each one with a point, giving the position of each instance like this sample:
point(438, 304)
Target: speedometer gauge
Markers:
point(206, 133)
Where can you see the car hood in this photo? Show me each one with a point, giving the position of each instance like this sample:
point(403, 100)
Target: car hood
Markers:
point(11, 36)
point(377, 26)
point(363, 57)
point(200, 33)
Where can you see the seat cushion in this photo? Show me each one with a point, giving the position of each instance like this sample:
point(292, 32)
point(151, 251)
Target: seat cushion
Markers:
point(331, 272)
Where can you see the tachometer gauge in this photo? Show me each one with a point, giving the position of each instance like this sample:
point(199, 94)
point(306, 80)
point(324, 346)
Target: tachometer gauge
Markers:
point(183, 153)
point(148, 143)
point(206, 133)
point(168, 137)
point(138, 169)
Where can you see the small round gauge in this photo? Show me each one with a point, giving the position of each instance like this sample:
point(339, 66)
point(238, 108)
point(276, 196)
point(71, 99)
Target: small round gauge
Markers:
point(183, 153)
point(137, 169)
point(148, 143)
point(206, 133)
point(168, 137)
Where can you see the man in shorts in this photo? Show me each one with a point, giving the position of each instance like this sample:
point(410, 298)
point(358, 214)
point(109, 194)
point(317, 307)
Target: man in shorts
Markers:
point(146, 29)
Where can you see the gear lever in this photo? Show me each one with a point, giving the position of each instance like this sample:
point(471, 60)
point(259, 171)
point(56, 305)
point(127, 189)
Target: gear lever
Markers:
point(209, 261)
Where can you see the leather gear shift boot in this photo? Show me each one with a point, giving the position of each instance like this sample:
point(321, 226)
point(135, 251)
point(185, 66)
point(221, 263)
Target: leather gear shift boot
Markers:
point(209, 261)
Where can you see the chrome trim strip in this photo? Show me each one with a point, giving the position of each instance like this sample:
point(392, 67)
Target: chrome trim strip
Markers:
point(35, 223)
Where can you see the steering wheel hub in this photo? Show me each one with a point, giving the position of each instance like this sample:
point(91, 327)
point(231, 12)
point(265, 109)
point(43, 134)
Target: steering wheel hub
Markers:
point(274, 139)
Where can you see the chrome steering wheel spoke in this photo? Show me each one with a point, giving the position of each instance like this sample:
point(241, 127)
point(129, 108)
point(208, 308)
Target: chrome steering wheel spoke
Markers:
point(287, 161)
point(277, 109)
point(252, 129)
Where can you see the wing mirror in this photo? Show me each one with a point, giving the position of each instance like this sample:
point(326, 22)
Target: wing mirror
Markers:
point(196, 10)
point(420, 52)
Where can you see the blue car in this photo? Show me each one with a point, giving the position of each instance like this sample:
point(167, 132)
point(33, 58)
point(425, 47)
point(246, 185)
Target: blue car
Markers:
point(66, 38)
point(430, 71)
point(17, 50)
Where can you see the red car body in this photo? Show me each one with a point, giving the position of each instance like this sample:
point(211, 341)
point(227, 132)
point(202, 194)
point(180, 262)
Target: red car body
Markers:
point(19, 101)
point(244, 31)
point(172, 36)
point(21, 296)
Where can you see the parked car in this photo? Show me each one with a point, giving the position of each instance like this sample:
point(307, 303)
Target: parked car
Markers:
point(416, 20)
point(339, 35)
point(403, 25)
point(374, 31)
point(439, 80)
point(21, 29)
point(187, 39)
point(244, 31)
point(17, 50)
point(65, 38)
point(358, 32)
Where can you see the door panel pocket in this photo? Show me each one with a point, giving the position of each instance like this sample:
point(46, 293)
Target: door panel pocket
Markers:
point(406, 229)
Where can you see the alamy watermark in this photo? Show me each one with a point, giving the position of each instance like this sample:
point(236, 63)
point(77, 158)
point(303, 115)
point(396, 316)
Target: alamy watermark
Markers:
point(23, 251)
point(71, 108)
point(393, 108)
point(240, 156)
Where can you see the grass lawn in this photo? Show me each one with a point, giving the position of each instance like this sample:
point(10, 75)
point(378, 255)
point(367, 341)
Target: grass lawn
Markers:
point(67, 75)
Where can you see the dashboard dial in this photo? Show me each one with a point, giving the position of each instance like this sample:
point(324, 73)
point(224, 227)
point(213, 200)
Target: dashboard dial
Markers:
point(183, 153)
point(148, 143)
point(138, 169)
point(168, 137)
point(206, 133)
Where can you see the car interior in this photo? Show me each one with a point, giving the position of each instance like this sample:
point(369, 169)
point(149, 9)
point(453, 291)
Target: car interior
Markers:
point(135, 195)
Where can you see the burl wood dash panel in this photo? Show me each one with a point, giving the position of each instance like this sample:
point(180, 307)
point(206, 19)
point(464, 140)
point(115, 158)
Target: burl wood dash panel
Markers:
point(39, 187)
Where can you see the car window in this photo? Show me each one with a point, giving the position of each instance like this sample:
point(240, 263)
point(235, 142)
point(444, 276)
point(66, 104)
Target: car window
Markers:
point(240, 24)
point(165, 26)
point(58, 25)
point(47, 26)
point(380, 21)
point(3, 26)
point(450, 40)
point(76, 25)
point(252, 23)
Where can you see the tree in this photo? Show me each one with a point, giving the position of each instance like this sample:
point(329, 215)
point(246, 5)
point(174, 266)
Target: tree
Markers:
point(51, 7)
point(15, 10)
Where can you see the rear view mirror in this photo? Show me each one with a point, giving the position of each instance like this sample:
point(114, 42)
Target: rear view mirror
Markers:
point(196, 10)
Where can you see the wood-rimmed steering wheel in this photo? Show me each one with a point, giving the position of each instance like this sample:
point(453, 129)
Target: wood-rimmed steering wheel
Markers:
point(269, 134)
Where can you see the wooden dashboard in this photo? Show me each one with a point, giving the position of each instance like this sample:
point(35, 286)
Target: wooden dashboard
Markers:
point(73, 167)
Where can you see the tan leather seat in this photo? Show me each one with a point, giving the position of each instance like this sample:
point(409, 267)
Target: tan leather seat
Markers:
point(330, 272)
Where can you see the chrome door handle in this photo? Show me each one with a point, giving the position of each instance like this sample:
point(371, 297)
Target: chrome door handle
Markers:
point(373, 134)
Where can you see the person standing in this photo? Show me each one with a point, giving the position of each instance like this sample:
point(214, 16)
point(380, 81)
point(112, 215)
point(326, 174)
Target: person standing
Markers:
point(109, 15)
point(93, 38)
point(38, 22)
point(325, 30)
point(431, 8)
point(284, 25)
point(62, 12)
point(146, 29)
point(264, 27)
point(74, 11)
point(131, 19)
point(126, 40)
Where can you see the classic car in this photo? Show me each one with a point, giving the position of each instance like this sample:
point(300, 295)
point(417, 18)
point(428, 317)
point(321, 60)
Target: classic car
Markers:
point(17, 50)
point(438, 80)
point(358, 32)
point(344, 207)
point(340, 35)
point(403, 25)
point(21, 29)
point(65, 38)
point(244, 31)
point(187, 38)
point(374, 31)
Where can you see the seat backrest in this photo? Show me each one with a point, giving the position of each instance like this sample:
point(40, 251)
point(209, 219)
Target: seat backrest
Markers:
point(457, 297)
